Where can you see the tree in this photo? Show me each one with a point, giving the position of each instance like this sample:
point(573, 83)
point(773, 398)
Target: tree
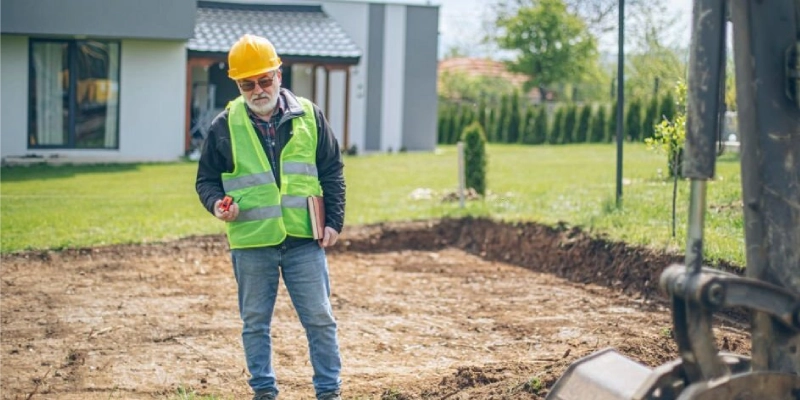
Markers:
point(554, 133)
point(475, 157)
point(584, 118)
point(650, 118)
point(552, 45)
point(597, 132)
point(633, 121)
point(540, 126)
point(529, 126)
point(460, 87)
point(569, 124)
point(514, 120)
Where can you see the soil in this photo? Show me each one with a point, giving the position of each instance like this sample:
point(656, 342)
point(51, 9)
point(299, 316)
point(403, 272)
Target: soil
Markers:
point(446, 309)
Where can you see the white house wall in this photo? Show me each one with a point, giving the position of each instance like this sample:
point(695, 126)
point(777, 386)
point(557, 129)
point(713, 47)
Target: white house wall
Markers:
point(393, 77)
point(351, 17)
point(301, 80)
point(152, 99)
point(152, 102)
point(14, 100)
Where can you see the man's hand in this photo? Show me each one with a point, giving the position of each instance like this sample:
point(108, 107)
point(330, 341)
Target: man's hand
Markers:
point(329, 237)
point(226, 216)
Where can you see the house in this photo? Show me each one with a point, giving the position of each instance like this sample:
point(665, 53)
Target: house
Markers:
point(120, 80)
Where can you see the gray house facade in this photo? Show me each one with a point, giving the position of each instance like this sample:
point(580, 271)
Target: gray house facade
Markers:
point(120, 80)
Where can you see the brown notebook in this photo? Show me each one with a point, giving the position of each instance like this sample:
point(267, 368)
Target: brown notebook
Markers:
point(316, 208)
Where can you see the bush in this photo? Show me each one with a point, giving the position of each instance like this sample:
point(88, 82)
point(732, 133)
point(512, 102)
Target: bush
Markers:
point(670, 134)
point(633, 121)
point(570, 122)
point(529, 127)
point(597, 130)
point(540, 126)
point(475, 157)
point(611, 133)
point(651, 119)
point(556, 127)
point(582, 132)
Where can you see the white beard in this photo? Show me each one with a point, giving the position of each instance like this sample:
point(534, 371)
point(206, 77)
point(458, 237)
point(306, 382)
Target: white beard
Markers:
point(262, 108)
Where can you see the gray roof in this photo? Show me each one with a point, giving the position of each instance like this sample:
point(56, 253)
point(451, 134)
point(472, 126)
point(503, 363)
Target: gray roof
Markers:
point(298, 32)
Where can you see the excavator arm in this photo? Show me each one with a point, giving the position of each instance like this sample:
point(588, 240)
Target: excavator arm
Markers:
point(766, 46)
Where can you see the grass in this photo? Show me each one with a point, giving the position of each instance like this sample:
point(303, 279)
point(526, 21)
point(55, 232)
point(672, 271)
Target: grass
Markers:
point(80, 206)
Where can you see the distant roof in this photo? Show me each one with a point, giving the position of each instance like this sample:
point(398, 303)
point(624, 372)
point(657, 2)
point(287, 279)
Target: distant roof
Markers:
point(299, 32)
point(475, 67)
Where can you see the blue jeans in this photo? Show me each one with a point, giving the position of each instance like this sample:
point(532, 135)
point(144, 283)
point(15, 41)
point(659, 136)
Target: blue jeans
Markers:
point(305, 274)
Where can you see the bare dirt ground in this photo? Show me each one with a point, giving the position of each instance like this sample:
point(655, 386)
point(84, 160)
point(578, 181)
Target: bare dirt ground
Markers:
point(469, 309)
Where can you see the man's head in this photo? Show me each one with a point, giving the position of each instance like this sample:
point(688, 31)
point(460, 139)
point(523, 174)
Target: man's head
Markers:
point(255, 66)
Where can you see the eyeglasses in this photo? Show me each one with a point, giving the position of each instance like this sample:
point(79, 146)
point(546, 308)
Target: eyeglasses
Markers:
point(263, 83)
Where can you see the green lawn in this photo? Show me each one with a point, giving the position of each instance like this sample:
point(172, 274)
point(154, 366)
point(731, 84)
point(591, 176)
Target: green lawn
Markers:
point(78, 206)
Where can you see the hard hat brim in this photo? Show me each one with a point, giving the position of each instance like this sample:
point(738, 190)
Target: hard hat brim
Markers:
point(253, 73)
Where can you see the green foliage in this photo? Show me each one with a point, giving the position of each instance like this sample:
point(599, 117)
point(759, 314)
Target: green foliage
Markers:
point(576, 184)
point(670, 135)
point(633, 121)
point(503, 116)
point(514, 121)
point(458, 86)
point(491, 123)
point(475, 158)
point(650, 119)
point(529, 126)
point(540, 126)
point(584, 119)
point(554, 134)
point(569, 124)
point(552, 45)
point(611, 133)
point(667, 107)
point(598, 127)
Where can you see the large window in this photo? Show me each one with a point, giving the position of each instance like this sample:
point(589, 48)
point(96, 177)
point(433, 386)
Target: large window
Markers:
point(74, 94)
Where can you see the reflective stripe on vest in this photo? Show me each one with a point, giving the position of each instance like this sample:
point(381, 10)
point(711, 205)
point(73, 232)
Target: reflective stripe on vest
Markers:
point(267, 214)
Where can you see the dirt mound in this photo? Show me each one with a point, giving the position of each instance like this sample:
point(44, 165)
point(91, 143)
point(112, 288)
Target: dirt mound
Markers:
point(450, 309)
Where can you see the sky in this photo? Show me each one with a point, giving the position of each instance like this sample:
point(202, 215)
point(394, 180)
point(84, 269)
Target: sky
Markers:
point(460, 23)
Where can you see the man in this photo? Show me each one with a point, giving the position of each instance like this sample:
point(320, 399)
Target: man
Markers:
point(270, 150)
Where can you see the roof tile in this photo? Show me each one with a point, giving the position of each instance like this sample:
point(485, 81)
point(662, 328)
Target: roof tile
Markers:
point(294, 32)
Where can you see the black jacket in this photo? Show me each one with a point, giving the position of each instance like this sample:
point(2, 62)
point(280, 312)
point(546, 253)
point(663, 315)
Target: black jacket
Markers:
point(216, 158)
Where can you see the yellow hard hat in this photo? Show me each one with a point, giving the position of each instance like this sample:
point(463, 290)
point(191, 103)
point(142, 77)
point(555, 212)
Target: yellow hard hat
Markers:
point(250, 56)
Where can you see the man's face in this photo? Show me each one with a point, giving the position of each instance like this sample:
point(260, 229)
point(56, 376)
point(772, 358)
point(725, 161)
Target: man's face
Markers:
point(261, 91)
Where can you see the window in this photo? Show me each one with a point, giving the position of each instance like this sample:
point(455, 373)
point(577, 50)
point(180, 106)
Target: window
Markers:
point(74, 94)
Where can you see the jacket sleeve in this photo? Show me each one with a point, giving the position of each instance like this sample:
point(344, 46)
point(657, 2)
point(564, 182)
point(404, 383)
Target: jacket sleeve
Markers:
point(330, 169)
point(215, 158)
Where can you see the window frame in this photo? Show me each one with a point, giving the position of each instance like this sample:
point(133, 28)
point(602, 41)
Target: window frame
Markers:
point(72, 65)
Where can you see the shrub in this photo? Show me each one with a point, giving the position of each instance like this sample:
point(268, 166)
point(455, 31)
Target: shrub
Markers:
point(475, 157)
point(597, 130)
point(633, 121)
point(670, 135)
point(540, 126)
point(570, 122)
point(582, 131)
point(554, 133)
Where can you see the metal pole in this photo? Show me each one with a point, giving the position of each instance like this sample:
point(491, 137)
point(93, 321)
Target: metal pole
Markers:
point(620, 95)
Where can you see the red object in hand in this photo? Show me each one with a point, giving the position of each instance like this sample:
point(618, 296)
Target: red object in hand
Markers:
point(225, 205)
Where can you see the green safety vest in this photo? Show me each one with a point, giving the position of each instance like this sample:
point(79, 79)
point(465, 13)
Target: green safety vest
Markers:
point(267, 214)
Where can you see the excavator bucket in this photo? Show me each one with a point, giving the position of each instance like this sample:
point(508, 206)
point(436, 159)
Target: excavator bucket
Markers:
point(604, 375)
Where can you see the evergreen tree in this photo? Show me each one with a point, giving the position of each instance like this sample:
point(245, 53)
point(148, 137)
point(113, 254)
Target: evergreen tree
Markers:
point(491, 121)
point(481, 111)
point(540, 126)
point(611, 134)
point(633, 121)
point(502, 120)
point(554, 133)
point(584, 118)
point(650, 119)
point(598, 128)
point(475, 157)
point(529, 126)
point(570, 123)
point(668, 107)
point(514, 120)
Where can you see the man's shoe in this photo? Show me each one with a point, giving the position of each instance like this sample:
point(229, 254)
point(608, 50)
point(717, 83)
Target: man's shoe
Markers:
point(265, 396)
point(330, 396)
